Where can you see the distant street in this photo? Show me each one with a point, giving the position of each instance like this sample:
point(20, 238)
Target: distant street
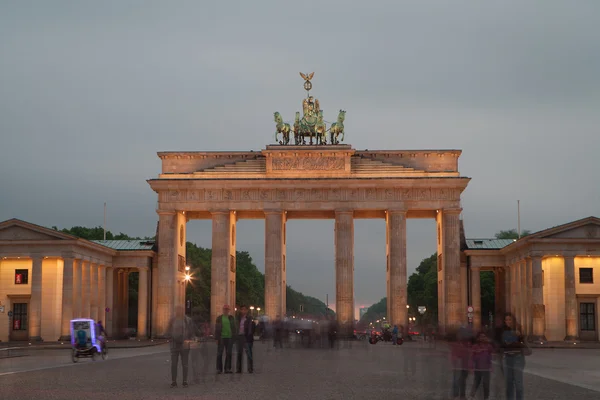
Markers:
point(361, 371)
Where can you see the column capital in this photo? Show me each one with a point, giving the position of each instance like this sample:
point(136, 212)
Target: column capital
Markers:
point(396, 211)
point(165, 212)
point(276, 212)
point(569, 254)
point(536, 256)
point(68, 255)
point(452, 211)
point(36, 256)
point(220, 212)
point(344, 212)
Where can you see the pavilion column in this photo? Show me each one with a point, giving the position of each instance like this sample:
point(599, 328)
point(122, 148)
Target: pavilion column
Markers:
point(451, 269)
point(124, 303)
point(76, 288)
point(396, 274)
point(274, 251)
point(500, 294)
point(524, 299)
point(67, 298)
point(476, 297)
point(344, 270)
point(518, 294)
point(537, 300)
point(142, 320)
point(101, 316)
point(110, 279)
point(35, 303)
point(85, 289)
point(570, 298)
point(220, 264)
point(94, 291)
point(529, 283)
point(507, 289)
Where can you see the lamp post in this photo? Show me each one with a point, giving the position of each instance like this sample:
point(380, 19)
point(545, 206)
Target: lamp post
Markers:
point(258, 311)
point(252, 311)
point(188, 302)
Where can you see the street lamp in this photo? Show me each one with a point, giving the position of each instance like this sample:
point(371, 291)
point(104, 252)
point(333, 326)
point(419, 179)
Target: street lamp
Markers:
point(258, 310)
point(252, 310)
point(407, 306)
point(187, 278)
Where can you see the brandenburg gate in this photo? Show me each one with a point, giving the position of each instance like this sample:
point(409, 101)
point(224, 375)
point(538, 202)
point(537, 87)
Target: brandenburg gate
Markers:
point(307, 180)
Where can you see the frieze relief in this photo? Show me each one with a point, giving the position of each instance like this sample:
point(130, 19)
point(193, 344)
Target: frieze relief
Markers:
point(308, 164)
point(317, 194)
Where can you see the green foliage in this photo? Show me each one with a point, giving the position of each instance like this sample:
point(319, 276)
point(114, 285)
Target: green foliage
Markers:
point(96, 233)
point(511, 234)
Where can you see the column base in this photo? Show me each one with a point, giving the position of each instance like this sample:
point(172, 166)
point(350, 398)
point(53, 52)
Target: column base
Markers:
point(36, 339)
point(66, 338)
point(537, 338)
point(142, 337)
point(571, 339)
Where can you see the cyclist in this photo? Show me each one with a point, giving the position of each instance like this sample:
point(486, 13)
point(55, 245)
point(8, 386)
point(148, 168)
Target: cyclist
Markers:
point(101, 334)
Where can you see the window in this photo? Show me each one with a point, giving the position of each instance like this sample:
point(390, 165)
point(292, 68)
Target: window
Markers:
point(586, 275)
point(21, 276)
point(20, 317)
point(587, 316)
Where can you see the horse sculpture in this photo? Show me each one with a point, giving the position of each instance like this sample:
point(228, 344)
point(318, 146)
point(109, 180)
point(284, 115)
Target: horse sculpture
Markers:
point(337, 128)
point(282, 128)
point(321, 129)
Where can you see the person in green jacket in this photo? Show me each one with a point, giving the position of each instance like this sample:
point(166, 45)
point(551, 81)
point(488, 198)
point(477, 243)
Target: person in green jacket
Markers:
point(225, 327)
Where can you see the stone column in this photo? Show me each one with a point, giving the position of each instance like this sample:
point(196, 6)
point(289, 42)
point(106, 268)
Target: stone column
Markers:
point(344, 270)
point(537, 300)
point(35, 303)
point(507, 289)
point(518, 294)
point(219, 293)
point(85, 289)
point(396, 274)
point(451, 267)
point(274, 250)
point(67, 298)
point(76, 288)
point(167, 270)
point(102, 294)
point(529, 296)
point(94, 291)
point(500, 295)
point(142, 304)
point(124, 311)
point(476, 297)
point(570, 298)
point(110, 279)
point(524, 299)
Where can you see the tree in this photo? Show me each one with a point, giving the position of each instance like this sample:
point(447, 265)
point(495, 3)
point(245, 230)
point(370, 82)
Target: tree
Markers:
point(511, 234)
point(96, 233)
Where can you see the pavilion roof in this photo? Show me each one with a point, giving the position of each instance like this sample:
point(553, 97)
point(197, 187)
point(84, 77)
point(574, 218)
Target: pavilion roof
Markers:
point(125, 245)
point(488, 244)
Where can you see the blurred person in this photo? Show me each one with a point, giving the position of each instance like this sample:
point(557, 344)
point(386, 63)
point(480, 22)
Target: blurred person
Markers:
point(277, 332)
point(395, 335)
point(224, 328)
point(332, 334)
point(245, 340)
point(481, 354)
point(180, 331)
point(513, 346)
point(460, 361)
point(101, 334)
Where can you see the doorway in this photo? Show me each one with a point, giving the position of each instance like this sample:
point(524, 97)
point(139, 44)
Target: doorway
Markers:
point(19, 326)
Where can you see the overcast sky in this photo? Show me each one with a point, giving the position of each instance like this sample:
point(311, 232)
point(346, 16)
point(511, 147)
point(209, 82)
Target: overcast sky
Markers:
point(90, 91)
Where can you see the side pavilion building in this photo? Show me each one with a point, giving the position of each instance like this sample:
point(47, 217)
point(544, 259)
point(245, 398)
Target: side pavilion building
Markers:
point(48, 278)
point(549, 280)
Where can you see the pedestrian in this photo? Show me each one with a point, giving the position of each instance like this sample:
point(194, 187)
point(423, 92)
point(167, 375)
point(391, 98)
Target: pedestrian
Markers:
point(180, 331)
point(395, 335)
point(460, 360)
point(514, 348)
point(224, 328)
point(481, 354)
point(245, 340)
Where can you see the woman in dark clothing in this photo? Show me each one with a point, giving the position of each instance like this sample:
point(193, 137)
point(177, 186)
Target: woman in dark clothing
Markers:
point(513, 344)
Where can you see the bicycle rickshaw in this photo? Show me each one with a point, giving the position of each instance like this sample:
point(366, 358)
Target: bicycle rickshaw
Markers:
point(84, 340)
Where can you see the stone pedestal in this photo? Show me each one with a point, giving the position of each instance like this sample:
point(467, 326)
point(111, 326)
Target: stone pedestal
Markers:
point(67, 299)
point(142, 320)
point(538, 308)
point(35, 303)
point(476, 297)
point(344, 271)
point(274, 249)
point(396, 270)
point(221, 285)
point(570, 299)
